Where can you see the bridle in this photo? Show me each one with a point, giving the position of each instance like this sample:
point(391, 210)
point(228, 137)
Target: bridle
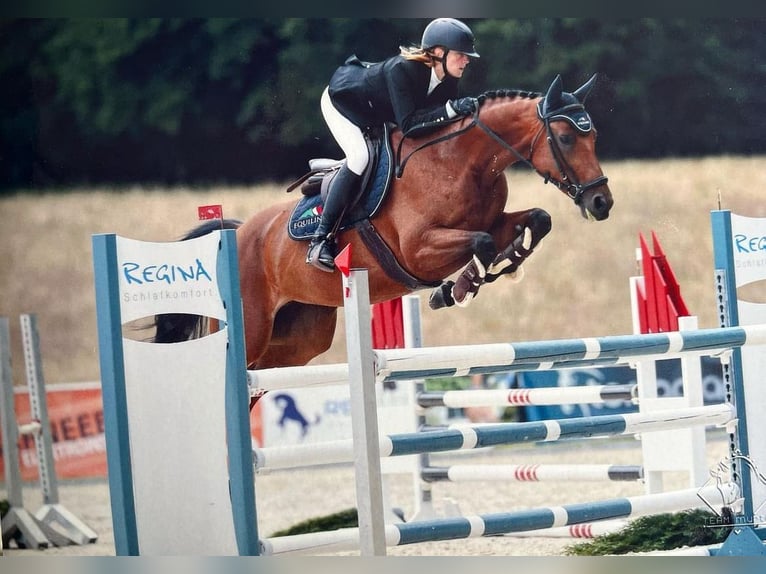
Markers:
point(567, 180)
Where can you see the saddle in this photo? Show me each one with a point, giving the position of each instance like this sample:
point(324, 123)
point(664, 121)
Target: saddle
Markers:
point(315, 184)
point(376, 181)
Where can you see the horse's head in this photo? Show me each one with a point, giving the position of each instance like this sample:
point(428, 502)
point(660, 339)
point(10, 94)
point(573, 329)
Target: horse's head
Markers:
point(569, 160)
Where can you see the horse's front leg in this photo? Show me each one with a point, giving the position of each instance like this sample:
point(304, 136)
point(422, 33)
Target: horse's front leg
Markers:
point(461, 291)
point(529, 227)
point(521, 232)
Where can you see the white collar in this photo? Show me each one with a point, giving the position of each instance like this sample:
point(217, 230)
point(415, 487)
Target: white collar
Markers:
point(435, 81)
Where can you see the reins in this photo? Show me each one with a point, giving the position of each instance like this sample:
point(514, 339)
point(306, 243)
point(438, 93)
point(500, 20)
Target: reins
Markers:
point(400, 164)
point(568, 182)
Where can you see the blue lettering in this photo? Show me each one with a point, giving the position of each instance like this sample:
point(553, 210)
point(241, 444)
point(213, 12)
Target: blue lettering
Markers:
point(337, 407)
point(747, 244)
point(202, 271)
point(148, 273)
point(134, 273)
point(187, 276)
point(127, 269)
point(164, 275)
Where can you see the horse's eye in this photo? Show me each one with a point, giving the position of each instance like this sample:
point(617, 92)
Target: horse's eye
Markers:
point(566, 139)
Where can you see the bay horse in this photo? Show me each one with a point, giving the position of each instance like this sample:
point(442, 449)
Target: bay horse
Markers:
point(444, 214)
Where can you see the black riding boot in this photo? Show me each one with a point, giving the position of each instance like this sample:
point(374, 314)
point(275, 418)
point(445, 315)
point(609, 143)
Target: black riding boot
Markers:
point(321, 252)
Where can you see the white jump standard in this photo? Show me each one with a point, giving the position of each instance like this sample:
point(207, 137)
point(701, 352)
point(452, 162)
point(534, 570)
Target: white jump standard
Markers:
point(176, 415)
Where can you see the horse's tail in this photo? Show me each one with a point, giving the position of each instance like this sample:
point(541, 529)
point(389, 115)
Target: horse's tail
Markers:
point(176, 327)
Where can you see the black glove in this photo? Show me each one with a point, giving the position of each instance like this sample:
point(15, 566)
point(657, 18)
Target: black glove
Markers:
point(464, 106)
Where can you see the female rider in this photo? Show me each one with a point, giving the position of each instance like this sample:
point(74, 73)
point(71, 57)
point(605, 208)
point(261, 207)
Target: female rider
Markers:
point(416, 90)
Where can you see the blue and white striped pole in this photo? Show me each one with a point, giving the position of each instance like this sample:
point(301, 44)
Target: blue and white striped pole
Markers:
point(460, 437)
point(425, 362)
point(452, 361)
point(462, 527)
point(463, 437)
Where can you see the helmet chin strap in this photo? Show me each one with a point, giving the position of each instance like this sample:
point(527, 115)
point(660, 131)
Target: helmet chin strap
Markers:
point(443, 61)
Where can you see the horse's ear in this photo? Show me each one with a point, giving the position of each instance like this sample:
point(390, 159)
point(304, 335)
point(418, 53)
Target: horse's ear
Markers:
point(553, 96)
point(582, 92)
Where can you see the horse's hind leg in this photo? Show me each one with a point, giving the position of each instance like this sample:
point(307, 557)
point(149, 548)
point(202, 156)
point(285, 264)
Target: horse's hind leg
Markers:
point(301, 332)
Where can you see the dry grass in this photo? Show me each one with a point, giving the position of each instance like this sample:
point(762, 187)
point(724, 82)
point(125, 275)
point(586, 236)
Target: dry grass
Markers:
point(576, 283)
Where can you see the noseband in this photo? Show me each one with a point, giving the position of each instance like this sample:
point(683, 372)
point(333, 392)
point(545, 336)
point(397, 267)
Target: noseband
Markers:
point(567, 182)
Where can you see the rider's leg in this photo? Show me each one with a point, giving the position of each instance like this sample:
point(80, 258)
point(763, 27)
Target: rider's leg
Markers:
point(321, 252)
point(351, 140)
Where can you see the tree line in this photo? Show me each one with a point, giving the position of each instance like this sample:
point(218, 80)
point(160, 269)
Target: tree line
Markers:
point(199, 101)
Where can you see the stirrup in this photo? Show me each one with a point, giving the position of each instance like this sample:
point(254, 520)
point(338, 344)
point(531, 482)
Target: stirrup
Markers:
point(320, 255)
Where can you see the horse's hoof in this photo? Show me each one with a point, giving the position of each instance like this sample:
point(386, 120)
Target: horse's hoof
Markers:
point(442, 296)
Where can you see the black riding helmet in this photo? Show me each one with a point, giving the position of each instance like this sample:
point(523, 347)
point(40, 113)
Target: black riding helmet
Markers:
point(450, 34)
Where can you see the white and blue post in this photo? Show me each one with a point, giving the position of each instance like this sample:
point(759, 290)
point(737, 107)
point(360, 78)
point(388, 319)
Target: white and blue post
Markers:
point(179, 485)
point(739, 251)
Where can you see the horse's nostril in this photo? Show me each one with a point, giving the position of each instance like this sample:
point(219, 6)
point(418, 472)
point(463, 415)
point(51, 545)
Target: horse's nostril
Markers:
point(600, 203)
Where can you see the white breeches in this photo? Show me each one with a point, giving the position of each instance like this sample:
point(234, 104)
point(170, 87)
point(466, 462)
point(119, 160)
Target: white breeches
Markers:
point(349, 136)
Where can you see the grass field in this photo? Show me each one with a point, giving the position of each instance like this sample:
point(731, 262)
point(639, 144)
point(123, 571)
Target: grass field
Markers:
point(576, 282)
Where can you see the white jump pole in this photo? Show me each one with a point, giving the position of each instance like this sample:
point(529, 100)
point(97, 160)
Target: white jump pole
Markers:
point(364, 414)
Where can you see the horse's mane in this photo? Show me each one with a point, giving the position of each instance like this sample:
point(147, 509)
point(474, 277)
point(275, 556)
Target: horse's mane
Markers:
point(504, 93)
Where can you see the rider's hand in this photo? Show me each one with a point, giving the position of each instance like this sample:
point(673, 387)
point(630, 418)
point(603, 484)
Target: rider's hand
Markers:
point(464, 106)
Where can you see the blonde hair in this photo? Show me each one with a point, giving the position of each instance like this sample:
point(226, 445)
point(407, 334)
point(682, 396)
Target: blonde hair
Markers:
point(416, 53)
